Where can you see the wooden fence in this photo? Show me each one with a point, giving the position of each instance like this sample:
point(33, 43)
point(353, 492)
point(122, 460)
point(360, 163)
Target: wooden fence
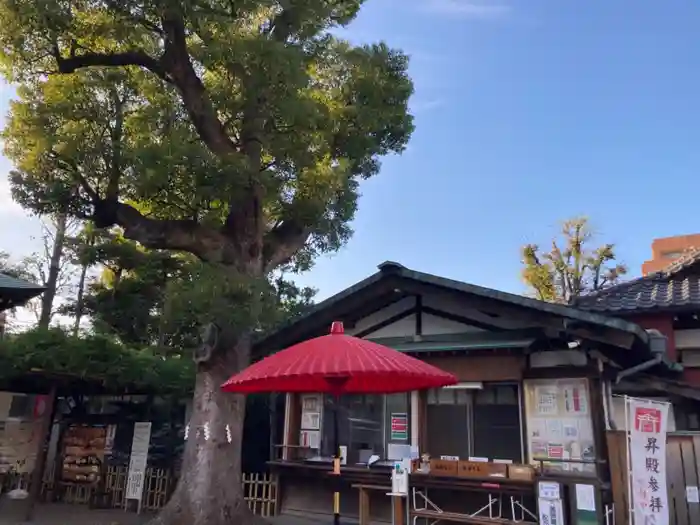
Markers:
point(259, 490)
point(682, 470)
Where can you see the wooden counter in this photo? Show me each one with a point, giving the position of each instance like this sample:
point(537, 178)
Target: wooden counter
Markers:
point(348, 473)
point(504, 485)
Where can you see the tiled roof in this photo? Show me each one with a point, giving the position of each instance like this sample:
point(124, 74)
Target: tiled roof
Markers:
point(16, 292)
point(676, 286)
point(9, 282)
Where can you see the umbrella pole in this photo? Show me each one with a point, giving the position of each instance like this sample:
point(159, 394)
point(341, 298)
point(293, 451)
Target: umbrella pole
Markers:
point(336, 464)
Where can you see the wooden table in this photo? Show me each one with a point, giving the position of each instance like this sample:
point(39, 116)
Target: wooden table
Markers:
point(364, 499)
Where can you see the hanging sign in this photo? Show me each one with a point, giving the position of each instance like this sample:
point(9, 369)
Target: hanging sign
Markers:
point(647, 442)
point(399, 427)
point(549, 505)
point(138, 460)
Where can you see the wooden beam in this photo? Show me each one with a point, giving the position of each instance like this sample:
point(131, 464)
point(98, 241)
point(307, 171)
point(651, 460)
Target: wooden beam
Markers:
point(660, 385)
point(419, 315)
point(462, 319)
point(386, 322)
point(531, 317)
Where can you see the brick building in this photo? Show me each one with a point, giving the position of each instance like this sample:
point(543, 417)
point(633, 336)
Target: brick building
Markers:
point(667, 250)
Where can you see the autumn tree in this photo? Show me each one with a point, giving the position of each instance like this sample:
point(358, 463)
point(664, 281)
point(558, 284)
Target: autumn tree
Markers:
point(234, 131)
point(571, 267)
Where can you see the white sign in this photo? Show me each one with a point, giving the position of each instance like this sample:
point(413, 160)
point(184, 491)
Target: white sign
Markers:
point(647, 423)
point(549, 490)
point(551, 512)
point(692, 495)
point(585, 497)
point(138, 460)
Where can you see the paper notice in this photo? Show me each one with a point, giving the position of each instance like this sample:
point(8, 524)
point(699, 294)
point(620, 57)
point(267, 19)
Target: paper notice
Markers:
point(555, 430)
point(585, 497)
point(546, 398)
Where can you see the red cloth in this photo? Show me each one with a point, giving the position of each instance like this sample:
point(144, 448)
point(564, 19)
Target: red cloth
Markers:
point(338, 364)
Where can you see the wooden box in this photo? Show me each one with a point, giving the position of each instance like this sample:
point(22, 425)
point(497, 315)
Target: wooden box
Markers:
point(443, 467)
point(481, 469)
point(521, 472)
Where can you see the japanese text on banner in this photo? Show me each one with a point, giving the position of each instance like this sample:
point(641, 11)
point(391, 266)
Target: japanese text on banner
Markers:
point(647, 429)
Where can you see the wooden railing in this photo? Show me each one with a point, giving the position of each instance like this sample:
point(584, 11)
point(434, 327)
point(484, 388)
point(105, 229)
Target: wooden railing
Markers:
point(259, 490)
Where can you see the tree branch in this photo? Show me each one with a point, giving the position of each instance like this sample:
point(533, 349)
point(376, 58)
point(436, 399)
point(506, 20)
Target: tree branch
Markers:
point(127, 58)
point(283, 242)
point(199, 106)
point(162, 234)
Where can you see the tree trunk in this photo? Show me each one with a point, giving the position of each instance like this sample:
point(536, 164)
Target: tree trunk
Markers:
point(80, 300)
point(54, 270)
point(209, 490)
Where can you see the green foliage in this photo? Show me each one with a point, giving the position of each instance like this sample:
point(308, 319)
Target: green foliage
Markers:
point(288, 118)
point(160, 299)
point(570, 269)
point(95, 359)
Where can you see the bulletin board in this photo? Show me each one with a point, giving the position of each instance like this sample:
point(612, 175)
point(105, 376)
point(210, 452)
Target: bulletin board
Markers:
point(559, 424)
point(311, 414)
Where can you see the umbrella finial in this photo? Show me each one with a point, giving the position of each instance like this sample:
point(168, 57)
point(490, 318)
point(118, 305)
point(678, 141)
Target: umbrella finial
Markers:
point(337, 328)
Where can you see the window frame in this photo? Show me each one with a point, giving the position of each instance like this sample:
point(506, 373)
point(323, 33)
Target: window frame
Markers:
point(326, 425)
point(472, 392)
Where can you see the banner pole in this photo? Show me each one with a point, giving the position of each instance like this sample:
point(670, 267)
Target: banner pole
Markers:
point(628, 441)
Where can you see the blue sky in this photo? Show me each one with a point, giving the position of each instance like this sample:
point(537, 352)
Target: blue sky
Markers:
point(527, 112)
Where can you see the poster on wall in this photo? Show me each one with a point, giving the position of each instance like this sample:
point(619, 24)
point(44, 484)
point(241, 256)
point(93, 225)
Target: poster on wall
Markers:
point(399, 426)
point(559, 425)
point(647, 425)
point(311, 410)
point(83, 453)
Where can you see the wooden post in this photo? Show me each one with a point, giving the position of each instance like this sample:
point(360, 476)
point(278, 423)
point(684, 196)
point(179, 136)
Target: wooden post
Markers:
point(37, 479)
point(398, 514)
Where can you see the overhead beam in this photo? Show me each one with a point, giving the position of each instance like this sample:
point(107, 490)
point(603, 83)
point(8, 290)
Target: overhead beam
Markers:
point(386, 322)
point(530, 317)
point(465, 320)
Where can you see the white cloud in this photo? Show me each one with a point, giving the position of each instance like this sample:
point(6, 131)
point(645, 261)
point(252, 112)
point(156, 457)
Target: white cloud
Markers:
point(467, 8)
point(7, 205)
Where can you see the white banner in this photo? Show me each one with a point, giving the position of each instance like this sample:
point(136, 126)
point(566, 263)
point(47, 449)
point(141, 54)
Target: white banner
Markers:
point(647, 424)
point(138, 460)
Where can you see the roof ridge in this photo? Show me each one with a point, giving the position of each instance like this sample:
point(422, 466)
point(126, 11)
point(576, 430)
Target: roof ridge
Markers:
point(616, 287)
point(690, 257)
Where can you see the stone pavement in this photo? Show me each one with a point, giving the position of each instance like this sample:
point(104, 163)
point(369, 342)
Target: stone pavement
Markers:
point(11, 513)
point(66, 514)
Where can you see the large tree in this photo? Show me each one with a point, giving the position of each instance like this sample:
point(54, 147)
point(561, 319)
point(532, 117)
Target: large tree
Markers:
point(236, 131)
point(144, 297)
point(571, 267)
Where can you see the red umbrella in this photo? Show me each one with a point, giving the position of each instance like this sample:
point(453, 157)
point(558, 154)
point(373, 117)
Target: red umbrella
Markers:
point(338, 364)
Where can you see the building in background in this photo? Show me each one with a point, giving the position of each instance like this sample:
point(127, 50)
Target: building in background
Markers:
point(667, 301)
point(667, 250)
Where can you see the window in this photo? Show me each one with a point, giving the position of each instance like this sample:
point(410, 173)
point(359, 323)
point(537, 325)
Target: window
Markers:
point(468, 422)
point(671, 255)
point(367, 425)
point(497, 414)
